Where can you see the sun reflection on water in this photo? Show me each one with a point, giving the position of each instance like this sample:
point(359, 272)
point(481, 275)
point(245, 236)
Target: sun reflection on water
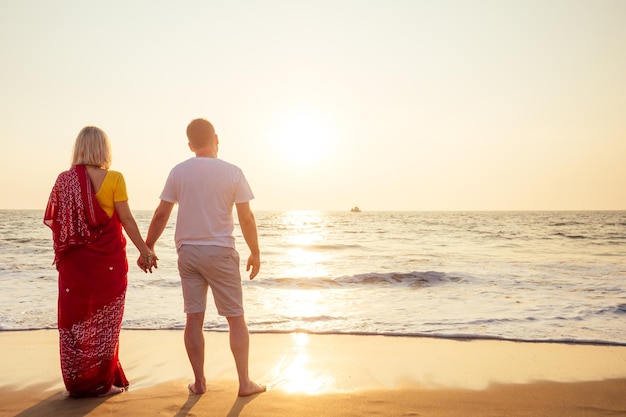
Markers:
point(295, 373)
point(304, 257)
point(302, 263)
point(304, 234)
point(304, 304)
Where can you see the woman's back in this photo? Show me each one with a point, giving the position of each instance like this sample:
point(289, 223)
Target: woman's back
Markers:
point(110, 188)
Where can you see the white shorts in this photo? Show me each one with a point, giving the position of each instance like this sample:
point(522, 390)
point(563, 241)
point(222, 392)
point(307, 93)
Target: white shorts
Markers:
point(217, 267)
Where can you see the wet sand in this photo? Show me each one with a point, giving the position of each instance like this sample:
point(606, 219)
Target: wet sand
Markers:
point(327, 375)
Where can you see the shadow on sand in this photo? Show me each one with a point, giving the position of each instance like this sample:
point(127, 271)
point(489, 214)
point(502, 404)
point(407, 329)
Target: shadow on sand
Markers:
point(235, 410)
point(240, 403)
point(60, 404)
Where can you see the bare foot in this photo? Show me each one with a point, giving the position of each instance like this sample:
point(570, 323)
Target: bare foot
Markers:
point(196, 391)
point(251, 388)
point(113, 390)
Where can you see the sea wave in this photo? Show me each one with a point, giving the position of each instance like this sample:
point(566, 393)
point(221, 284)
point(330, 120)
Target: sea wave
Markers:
point(561, 234)
point(322, 247)
point(537, 276)
point(399, 279)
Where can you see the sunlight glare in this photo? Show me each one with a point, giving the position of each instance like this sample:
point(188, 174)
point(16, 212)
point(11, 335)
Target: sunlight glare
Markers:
point(304, 264)
point(304, 260)
point(303, 137)
point(295, 373)
point(305, 303)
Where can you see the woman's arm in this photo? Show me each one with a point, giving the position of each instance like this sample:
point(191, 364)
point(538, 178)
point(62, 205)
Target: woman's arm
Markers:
point(130, 226)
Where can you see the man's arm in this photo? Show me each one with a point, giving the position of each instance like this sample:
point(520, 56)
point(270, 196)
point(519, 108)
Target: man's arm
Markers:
point(247, 223)
point(158, 223)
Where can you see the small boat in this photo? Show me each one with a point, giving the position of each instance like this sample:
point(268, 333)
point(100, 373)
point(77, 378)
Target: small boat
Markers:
point(355, 209)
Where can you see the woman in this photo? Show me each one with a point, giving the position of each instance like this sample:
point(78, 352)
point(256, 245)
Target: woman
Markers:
point(87, 209)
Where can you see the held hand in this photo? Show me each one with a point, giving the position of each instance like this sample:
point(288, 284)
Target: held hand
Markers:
point(254, 262)
point(141, 264)
point(147, 262)
point(154, 264)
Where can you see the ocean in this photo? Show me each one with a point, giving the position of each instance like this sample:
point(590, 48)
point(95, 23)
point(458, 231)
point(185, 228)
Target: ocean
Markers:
point(527, 276)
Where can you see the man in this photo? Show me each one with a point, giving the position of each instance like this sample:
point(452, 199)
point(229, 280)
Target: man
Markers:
point(205, 189)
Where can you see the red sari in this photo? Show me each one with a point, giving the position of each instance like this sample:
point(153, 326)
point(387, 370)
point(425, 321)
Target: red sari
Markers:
point(90, 256)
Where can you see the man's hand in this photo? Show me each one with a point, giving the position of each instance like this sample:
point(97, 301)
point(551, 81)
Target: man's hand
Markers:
point(254, 262)
point(147, 262)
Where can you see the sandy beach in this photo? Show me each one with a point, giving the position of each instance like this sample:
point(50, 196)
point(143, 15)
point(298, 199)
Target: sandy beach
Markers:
point(328, 375)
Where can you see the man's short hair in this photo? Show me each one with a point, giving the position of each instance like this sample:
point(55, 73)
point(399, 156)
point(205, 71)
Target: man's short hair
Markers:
point(200, 132)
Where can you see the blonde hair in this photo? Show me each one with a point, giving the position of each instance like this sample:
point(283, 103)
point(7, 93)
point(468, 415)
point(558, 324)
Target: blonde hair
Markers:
point(200, 133)
point(92, 147)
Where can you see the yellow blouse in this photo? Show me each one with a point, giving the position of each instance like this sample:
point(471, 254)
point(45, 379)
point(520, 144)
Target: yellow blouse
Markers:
point(113, 190)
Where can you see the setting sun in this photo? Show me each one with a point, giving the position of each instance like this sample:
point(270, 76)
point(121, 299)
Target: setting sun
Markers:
point(303, 137)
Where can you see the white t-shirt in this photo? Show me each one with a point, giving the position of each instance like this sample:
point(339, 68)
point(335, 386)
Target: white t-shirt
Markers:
point(206, 190)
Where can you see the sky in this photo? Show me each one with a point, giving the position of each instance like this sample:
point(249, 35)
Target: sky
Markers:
point(326, 105)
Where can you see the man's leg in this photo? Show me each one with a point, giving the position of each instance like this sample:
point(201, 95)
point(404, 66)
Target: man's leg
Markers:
point(240, 346)
point(194, 342)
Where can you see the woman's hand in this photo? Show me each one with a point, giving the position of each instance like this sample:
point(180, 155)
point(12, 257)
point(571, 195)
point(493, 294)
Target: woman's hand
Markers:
point(147, 261)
